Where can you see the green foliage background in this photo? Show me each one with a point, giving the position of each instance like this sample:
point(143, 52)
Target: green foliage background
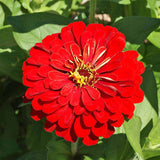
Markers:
point(26, 22)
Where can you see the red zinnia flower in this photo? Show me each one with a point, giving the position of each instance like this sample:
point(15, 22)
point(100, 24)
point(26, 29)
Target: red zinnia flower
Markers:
point(82, 82)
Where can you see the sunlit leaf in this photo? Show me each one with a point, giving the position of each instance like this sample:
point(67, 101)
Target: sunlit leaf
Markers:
point(2, 15)
point(32, 28)
point(154, 38)
point(132, 129)
point(152, 145)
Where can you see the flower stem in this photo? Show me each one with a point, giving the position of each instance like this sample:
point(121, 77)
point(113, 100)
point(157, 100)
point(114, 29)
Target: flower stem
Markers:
point(74, 148)
point(128, 10)
point(92, 11)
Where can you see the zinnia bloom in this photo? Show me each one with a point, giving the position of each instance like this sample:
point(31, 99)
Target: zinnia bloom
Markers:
point(82, 82)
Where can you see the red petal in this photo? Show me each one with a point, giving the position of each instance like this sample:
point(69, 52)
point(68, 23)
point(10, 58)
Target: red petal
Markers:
point(64, 100)
point(80, 129)
point(78, 28)
point(37, 115)
point(86, 99)
point(140, 67)
point(32, 75)
point(89, 120)
point(109, 132)
point(49, 96)
point(127, 91)
point(116, 45)
point(43, 70)
point(99, 129)
point(56, 85)
point(78, 110)
point(35, 52)
point(67, 119)
point(75, 97)
point(127, 108)
point(61, 132)
point(117, 119)
point(131, 54)
point(56, 115)
point(113, 104)
point(50, 127)
point(89, 50)
point(36, 104)
point(99, 53)
point(51, 107)
point(59, 65)
point(90, 140)
point(94, 27)
point(101, 116)
point(75, 50)
point(66, 34)
point(138, 96)
point(67, 89)
point(100, 104)
point(84, 37)
point(106, 89)
point(99, 35)
point(93, 92)
point(56, 75)
point(70, 135)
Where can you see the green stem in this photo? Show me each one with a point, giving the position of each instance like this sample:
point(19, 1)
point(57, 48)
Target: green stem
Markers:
point(128, 10)
point(92, 11)
point(74, 148)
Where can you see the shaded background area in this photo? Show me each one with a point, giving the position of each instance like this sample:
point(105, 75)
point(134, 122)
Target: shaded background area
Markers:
point(26, 22)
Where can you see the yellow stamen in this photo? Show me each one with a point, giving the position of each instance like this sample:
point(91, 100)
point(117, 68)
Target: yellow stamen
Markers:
point(84, 74)
point(78, 78)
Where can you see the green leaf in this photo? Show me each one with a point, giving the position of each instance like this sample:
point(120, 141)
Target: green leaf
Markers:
point(14, 6)
point(2, 15)
point(26, 5)
point(145, 111)
point(7, 39)
point(116, 147)
point(34, 155)
point(150, 88)
point(152, 146)
point(132, 129)
point(151, 3)
point(37, 138)
point(32, 28)
point(154, 158)
point(154, 136)
point(11, 63)
point(154, 38)
point(125, 2)
point(158, 92)
point(130, 46)
point(94, 152)
point(152, 55)
point(136, 29)
point(59, 149)
point(9, 130)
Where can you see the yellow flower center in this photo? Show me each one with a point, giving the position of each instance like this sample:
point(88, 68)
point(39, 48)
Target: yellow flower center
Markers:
point(84, 74)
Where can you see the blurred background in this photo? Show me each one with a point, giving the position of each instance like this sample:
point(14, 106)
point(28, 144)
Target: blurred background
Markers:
point(26, 22)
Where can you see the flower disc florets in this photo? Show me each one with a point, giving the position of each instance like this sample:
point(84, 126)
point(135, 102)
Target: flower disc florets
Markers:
point(84, 74)
point(82, 82)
